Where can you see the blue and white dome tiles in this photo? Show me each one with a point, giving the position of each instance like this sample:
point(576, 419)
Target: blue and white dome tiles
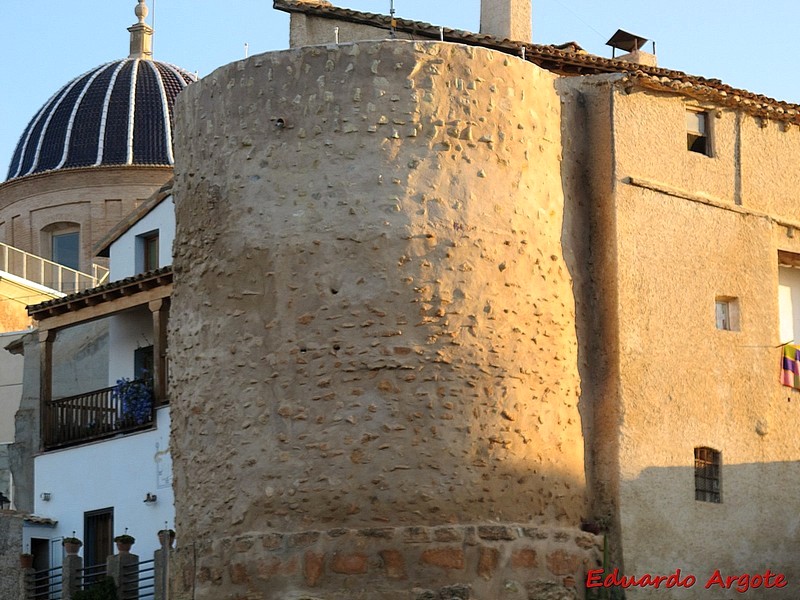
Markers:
point(119, 113)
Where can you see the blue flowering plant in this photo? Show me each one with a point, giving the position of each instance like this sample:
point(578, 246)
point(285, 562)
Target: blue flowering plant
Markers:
point(135, 399)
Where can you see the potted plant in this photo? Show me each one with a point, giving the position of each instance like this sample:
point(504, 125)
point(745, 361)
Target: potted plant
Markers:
point(71, 544)
point(166, 537)
point(124, 542)
point(135, 399)
point(26, 560)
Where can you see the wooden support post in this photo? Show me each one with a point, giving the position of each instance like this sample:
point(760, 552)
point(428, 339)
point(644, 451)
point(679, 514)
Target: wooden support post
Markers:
point(160, 311)
point(46, 339)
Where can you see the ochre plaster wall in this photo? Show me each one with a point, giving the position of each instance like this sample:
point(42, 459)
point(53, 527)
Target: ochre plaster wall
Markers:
point(679, 244)
point(373, 335)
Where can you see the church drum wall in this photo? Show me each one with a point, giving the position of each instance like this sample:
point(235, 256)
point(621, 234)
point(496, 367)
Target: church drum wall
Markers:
point(372, 337)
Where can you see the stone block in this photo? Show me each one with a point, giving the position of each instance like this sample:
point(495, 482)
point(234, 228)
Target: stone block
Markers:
point(448, 534)
point(377, 532)
point(313, 567)
point(562, 562)
point(444, 558)
point(394, 564)
point(525, 558)
point(302, 540)
point(548, 590)
point(496, 532)
point(487, 562)
point(416, 535)
point(238, 573)
point(271, 541)
point(349, 564)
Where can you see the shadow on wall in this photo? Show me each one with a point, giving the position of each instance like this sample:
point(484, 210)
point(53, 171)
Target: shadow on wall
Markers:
point(755, 527)
point(80, 359)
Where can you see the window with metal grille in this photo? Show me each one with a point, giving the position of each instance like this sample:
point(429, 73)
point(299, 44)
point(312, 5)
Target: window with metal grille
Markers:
point(707, 467)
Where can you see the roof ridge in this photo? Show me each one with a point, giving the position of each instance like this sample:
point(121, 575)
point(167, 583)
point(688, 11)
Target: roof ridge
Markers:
point(564, 61)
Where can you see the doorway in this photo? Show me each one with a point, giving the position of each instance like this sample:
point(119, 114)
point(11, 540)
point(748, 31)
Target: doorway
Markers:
point(98, 536)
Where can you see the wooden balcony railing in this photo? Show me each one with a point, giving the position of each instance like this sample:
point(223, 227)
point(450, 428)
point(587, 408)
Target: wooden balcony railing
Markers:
point(94, 415)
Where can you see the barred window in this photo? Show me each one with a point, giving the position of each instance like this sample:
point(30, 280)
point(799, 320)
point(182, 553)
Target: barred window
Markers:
point(707, 468)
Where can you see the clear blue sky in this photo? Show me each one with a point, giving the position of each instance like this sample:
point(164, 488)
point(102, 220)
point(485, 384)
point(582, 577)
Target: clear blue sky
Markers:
point(48, 42)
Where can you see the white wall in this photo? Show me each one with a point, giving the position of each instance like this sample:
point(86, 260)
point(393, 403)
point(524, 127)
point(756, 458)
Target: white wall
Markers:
point(126, 332)
point(789, 304)
point(123, 251)
point(117, 472)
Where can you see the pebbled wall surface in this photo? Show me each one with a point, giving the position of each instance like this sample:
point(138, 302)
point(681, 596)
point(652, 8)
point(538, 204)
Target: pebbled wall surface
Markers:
point(373, 329)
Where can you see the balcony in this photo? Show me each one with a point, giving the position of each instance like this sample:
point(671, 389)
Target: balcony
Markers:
point(48, 273)
point(123, 408)
point(103, 413)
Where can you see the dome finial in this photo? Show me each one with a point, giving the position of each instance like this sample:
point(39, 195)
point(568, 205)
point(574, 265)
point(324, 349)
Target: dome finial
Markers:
point(141, 34)
point(141, 11)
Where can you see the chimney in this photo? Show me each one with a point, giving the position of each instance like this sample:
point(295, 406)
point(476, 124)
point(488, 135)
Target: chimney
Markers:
point(632, 44)
point(509, 19)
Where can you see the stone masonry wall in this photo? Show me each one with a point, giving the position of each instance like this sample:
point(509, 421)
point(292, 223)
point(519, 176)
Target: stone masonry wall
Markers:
point(10, 549)
point(413, 563)
point(373, 327)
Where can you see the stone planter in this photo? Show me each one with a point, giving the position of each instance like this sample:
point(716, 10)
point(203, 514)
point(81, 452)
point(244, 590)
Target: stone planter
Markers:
point(72, 547)
point(124, 547)
point(26, 561)
point(166, 538)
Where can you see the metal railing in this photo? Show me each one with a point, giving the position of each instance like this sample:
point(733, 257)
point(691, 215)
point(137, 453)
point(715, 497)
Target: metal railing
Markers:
point(89, 576)
point(138, 581)
point(48, 273)
point(44, 585)
point(93, 415)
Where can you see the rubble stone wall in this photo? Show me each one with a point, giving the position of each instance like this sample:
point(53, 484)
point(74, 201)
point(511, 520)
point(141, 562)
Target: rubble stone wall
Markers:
point(373, 326)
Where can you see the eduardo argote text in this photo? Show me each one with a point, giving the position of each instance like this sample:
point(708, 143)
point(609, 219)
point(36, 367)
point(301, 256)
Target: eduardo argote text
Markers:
point(743, 582)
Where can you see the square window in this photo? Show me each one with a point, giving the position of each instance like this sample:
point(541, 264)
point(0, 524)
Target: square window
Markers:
point(143, 363)
point(147, 252)
point(151, 252)
point(697, 132)
point(707, 475)
point(788, 297)
point(726, 312)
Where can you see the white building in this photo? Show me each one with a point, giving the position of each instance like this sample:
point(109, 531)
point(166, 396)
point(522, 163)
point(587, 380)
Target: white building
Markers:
point(104, 468)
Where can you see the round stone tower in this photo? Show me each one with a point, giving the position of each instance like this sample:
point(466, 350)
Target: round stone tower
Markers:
point(374, 358)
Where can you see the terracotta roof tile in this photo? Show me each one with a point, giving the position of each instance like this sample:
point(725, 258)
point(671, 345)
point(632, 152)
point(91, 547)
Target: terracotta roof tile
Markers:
point(566, 59)
point(37, 520)
point(147, 280)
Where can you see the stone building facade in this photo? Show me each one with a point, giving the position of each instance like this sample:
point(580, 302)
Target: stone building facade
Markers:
point(677, 236)
point(464, 305)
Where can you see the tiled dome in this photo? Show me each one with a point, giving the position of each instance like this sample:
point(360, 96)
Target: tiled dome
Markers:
point(119, 113)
